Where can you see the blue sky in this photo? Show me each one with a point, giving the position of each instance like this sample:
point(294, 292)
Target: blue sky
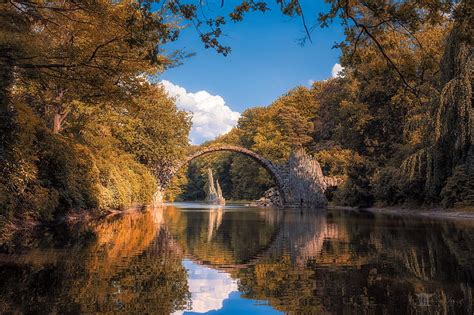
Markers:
point(266, 61)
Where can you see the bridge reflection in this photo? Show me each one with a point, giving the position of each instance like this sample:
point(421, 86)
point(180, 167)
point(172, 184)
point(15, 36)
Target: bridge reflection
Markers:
point(238, 239)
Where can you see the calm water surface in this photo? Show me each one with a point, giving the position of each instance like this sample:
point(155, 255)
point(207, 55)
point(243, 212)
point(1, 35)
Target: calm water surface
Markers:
point(196, 259)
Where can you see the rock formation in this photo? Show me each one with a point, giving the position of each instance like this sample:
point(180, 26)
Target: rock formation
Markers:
point(305, 181)
point(305, 184)
point(213, 190)
point(271, 198)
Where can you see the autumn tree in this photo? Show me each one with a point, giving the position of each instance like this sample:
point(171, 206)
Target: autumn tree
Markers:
point(65, 51)
point(82, 127)
point(154, 130)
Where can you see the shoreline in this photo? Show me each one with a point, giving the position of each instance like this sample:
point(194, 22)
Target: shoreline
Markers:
point(435, 213)
point(11, 228)
point(14, 228)
point(460, 214)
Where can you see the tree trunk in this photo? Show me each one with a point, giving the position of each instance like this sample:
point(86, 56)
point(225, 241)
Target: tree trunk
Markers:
point(58, 121)
point(8, 122)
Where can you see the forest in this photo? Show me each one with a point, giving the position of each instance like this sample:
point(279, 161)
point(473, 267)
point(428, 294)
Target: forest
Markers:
point(82, 126)
point(85, 125)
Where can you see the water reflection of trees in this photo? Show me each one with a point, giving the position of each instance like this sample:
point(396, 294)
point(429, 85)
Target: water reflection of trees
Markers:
point(365, 264)
point(300, 262)
point(132, 266)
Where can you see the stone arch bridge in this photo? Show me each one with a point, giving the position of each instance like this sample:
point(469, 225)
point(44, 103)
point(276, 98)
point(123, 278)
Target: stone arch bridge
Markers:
point(299, 181)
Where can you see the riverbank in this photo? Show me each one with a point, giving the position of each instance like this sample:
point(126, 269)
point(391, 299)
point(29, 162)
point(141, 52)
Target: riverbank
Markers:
point(16, 228)
point(464, 214)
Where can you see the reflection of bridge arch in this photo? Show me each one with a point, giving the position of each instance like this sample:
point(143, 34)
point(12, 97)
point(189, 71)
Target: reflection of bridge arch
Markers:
point(299, 235)
point(202, 250)
point(272, 169)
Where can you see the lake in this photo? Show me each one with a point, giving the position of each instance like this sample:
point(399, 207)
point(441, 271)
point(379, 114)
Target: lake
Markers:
point(191, 258)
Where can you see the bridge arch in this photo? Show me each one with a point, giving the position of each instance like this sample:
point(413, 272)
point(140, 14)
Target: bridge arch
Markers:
point(271, 168)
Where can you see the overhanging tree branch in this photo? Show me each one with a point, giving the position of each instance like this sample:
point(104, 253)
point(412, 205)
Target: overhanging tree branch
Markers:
point(381, 49)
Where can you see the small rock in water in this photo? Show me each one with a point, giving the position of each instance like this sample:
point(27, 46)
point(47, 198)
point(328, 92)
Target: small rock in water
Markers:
point(271, 198)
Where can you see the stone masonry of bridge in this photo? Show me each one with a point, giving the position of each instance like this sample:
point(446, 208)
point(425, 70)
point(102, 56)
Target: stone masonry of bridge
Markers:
point(300, 181)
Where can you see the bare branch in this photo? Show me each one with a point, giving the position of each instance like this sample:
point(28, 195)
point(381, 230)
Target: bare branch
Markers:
point(380, 48)
point(101, 46)
point(304, 23)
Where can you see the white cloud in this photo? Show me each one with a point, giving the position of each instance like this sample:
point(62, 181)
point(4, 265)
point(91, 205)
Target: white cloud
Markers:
point(336, 70)
point(210, 115)
point(311, 82)
point(209, 288)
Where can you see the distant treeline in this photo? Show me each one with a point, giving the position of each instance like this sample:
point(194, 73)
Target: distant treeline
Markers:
point(396, 125)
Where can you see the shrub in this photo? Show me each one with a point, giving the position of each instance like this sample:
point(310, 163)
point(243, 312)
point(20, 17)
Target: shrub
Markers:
point(459, 189)
point(123, 181)
point(22, 194)
point(69, 169)
point(46, 175)
point(357, 190)
point(385, 186)
point(335, 161)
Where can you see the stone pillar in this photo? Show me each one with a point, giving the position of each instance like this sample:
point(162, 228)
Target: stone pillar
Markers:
point(305, 181)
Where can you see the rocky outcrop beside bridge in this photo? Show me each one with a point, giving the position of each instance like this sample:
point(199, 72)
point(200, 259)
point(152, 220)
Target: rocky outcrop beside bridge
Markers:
point(304, 183)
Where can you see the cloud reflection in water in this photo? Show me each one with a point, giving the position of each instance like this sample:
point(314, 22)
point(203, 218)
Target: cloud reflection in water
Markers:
point(209, 288)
